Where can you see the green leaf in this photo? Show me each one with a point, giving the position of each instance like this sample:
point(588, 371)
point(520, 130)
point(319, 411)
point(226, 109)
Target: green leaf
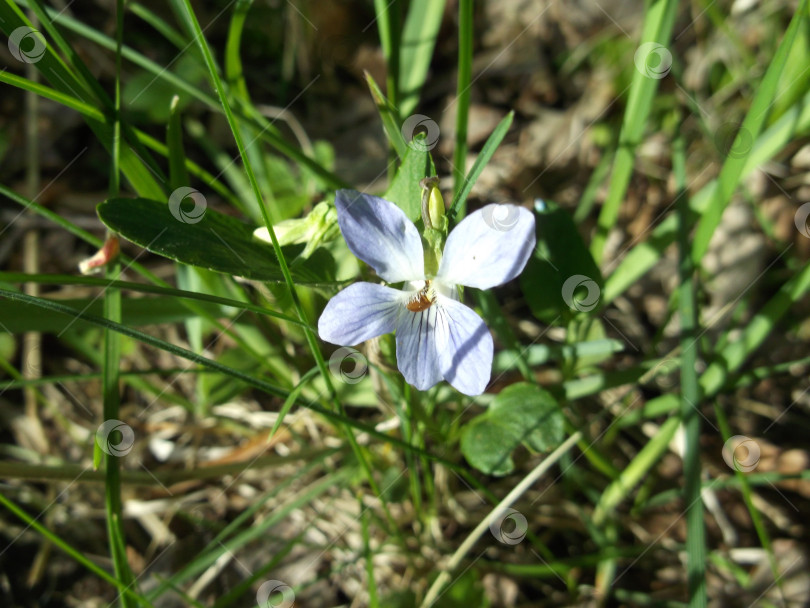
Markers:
point(405, 190)
point(548, 281)
point(150, 99)
point(734, 165)
point(209, 240)
point(389, 118)
point(20, 318)
point(521, 413)
point(659, 19)
point(416, 51)
point(134, 161)
point(466, 590)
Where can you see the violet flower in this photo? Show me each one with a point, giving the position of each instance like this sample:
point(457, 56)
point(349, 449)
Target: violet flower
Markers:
point(437, 336)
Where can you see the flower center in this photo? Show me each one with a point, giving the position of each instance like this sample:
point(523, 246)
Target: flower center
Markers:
point(422, 299)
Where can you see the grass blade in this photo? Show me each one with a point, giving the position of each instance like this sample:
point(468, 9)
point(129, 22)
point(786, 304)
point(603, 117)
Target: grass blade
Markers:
point(388, 114)
point(734, 165)
point(484, 157)
point(690, 393)
point(463, 86)
point(418, 41)
point(658, 23)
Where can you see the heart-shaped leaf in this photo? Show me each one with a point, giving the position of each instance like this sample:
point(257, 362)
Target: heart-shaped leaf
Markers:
point(561, 278)
point(521, 414)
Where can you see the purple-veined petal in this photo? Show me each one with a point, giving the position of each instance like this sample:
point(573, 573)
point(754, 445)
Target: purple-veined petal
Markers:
point(416, 348)
point(464, 345)
point(488, 247)
point(380, 234)
point(359, 312)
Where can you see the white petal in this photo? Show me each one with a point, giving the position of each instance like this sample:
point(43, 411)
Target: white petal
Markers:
point(416, 348)
point(488, 247)
point(359, 312)
point(380, 234)
point(464, 345)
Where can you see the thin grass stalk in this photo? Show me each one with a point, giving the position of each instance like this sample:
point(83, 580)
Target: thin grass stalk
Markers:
point(690, 391)
point(465, 52)
point(112, 357)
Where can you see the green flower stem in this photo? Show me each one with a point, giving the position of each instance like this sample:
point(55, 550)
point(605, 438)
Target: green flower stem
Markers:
point(112, 358)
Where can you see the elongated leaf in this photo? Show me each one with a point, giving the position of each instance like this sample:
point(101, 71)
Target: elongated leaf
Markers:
point(19, 318)
point(389, 118)
point(734, 164)
point(405, 190)
point(418, 41)
point(68, 83)
point(658, 23)
point(209, 240)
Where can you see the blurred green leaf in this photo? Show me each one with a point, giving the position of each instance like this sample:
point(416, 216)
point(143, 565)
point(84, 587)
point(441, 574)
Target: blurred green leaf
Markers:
point(418, 40)
point(561, 268)
point(19, 317)
point(520, 414)
point(466, 591)
point(209, 239)
point(150, 98)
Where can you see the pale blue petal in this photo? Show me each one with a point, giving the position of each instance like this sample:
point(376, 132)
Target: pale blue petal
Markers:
point(464, 345)
point(380, 234)
point(416, 348)
point(359, 312)
point(488, 247)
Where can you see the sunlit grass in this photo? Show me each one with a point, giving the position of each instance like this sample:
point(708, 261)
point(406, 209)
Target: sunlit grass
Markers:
point(266, 461)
